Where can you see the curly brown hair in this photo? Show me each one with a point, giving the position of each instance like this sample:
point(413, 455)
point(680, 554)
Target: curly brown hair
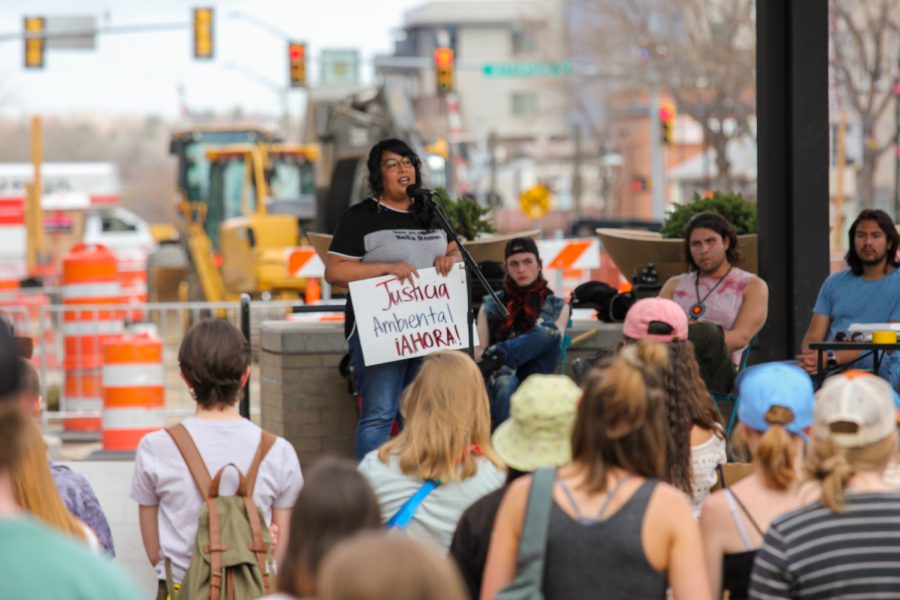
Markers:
point(688, 404)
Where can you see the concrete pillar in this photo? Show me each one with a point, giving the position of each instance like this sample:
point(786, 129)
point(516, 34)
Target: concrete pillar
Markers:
point(303, 397)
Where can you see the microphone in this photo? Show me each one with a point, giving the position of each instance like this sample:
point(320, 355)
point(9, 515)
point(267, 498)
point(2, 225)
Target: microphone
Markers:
point(415, 191)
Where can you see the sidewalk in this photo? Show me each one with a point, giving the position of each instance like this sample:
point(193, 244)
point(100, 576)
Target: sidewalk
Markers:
point(111, 481)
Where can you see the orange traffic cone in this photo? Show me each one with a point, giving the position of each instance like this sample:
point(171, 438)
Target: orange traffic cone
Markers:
point(313, 290)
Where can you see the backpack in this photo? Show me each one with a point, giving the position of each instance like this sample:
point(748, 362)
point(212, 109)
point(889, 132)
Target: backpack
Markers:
point(233, 551)
point(611, 306)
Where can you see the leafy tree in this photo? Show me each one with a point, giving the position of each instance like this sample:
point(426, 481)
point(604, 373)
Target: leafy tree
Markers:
point(740, 213)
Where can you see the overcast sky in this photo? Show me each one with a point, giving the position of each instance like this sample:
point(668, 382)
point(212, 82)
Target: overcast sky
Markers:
point(140, 73)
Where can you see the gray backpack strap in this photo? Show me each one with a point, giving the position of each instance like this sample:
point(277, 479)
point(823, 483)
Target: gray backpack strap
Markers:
point(532, 546)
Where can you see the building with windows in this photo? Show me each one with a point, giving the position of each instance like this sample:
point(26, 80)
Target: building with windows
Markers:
point(508, 120)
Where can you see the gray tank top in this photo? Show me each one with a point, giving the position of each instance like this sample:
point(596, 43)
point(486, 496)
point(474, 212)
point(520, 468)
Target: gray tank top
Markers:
point(603, 558)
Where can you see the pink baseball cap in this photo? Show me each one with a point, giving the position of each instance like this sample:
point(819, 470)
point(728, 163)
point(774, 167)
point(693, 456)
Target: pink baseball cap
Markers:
point(648, 319)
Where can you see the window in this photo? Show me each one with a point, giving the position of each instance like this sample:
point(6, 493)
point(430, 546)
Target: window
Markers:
point(522, 39)
point(524, 104)
point(114, 224)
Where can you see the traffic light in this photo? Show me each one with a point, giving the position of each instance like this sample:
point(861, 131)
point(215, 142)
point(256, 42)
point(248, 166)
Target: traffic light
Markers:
point(443, 70)
point(203, 33)
point(639, 184)
point(297, 64)
point(667, 122)
point(34, 42)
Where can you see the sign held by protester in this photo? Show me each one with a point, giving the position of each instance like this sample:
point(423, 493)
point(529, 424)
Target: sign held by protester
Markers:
point(398, 319)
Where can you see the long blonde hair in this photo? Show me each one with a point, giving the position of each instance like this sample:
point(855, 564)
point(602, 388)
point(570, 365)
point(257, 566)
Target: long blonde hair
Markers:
point(34, 488)
point(775, 457)
point(447, 415)
point(834, 466)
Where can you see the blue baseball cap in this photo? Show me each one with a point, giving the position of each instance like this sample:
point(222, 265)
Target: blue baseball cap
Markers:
point(775, 384)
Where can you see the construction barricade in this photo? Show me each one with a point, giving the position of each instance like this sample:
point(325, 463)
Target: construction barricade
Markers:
point(569, 262)
point(133, 390)
point(132, 267)
point(90, 281)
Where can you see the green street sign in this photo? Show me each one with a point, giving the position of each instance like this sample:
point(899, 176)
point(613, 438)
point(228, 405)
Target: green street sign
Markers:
point(527, 69)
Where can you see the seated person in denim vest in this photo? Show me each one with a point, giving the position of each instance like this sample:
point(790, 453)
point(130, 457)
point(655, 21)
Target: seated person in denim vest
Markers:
point(529, 341)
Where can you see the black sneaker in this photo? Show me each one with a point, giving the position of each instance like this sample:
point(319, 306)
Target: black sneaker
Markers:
point(491, 360)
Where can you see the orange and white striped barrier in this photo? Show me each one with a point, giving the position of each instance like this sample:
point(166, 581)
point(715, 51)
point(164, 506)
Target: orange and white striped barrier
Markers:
point(568, 263)
point(133, 391)
point(89, 279)
point(132, 267)
point(304, 261)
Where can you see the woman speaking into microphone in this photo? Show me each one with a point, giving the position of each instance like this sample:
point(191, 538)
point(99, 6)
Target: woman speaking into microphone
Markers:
point(373, 239)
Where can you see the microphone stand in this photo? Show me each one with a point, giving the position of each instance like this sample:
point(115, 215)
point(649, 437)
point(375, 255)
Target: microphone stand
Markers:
point(471, 268)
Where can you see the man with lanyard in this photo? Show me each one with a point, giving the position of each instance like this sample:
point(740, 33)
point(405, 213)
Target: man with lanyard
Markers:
point(529, 341)
point(715, 290)
point(866, 292)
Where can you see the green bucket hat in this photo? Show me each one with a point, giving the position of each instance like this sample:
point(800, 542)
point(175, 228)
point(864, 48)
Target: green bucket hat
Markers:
point(538, 431)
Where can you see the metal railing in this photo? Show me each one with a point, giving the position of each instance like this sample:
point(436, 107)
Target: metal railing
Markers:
point(47, 323)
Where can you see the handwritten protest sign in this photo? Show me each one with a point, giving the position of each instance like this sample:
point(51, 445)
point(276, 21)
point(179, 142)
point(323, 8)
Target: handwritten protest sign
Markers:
point(398, 320)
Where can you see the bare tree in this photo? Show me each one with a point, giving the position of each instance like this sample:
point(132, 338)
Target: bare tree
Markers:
point(700, 52)
point(864, 43)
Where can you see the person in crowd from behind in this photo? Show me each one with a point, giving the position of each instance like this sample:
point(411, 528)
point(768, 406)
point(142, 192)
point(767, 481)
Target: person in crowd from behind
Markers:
point(868, 291)
point(615, 530)
point(36, 492)
point(537, 434)
point(336, 502)
point(446, 441)
point(695, 443)
point(389, 233)
point(377, 566)
point(846, 544)
point(776, 413)
point(214, 359)
point(35, 560)
point(715, 289)
point(529, 340)
point(75, 490)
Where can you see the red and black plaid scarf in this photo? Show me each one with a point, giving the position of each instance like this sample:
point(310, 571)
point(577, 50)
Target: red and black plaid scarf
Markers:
point(524, 306)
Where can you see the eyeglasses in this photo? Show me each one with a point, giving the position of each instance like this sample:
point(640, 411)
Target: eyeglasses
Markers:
point(392, 164)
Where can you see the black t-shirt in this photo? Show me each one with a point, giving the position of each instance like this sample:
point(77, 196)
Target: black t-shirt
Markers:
point(373, 232)
point(473, 537)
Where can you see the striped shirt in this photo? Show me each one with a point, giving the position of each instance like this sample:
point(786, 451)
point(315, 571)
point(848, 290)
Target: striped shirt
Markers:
point(816, 553)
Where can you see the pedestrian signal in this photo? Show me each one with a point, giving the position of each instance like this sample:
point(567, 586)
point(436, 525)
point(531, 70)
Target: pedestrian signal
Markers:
point(443, 70)
point(34, 42)
point(297, 64)
point(203, 33)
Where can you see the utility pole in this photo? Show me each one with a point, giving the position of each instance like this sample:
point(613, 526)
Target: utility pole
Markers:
point(896, 90)
point(576, 170)
point(657, 174)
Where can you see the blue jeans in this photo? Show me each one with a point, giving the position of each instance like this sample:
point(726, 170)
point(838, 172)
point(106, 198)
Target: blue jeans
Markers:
point(535, 351)
point(380, 387)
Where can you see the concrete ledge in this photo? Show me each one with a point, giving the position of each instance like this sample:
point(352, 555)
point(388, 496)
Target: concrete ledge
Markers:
point(280, 337)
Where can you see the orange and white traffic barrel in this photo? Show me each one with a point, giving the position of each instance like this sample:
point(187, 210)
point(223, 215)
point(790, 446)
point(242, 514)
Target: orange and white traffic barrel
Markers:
point(132, 267)
point(133, 391)
point(89, 279)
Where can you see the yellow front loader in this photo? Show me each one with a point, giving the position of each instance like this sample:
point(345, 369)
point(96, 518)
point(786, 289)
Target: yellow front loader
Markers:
point(238, 239)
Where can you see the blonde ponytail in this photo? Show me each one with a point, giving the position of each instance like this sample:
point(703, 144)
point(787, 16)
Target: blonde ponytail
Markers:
point(834, 466)
point(775, 455)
